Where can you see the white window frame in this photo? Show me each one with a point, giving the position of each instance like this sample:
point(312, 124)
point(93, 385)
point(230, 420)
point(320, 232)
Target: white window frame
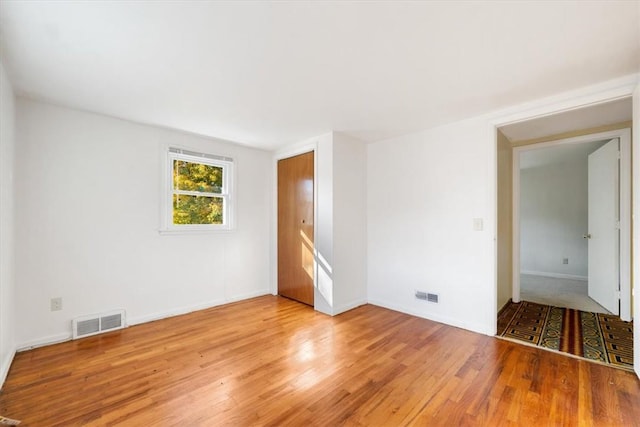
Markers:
point(226, 163)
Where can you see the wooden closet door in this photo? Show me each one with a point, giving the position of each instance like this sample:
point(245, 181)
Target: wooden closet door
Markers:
point(295, 228)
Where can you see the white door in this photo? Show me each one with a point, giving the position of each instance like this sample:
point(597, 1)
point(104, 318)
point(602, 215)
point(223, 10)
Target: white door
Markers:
point(603, 234)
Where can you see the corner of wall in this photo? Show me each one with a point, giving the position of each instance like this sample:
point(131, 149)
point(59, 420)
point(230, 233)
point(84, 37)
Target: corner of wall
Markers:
point(6, 365)
point(7, 227)
point(350, 222)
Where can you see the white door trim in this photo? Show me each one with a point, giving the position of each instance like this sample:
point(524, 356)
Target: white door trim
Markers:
point(608, 91)
point(635, 218)
point(625, 210)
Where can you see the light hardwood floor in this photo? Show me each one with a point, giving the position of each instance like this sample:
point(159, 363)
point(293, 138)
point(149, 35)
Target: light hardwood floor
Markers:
point(272, 361)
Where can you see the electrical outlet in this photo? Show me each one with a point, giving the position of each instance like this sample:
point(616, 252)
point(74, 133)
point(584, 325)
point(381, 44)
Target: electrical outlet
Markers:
point(56, 304)
point(565, 260)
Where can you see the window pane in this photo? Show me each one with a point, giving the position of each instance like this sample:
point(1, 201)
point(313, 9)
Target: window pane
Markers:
point(189, 176)
point(197, 209)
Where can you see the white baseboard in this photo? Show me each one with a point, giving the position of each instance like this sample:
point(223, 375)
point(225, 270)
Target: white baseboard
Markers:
point(473, 327)
point(48, 340)
point(55, 339)
point(348, 306)
point(191, 308)
point(6, 365)
point(555, 275)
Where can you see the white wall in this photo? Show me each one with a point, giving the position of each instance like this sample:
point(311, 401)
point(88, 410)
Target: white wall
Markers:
point(88, 214)
point(323, 297)
point(553, 218)
point(424, 190)
point(349, 222)
point(7, 230)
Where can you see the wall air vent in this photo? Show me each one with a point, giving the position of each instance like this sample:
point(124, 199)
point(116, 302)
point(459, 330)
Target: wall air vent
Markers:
point(98, 323)
point(426, 296)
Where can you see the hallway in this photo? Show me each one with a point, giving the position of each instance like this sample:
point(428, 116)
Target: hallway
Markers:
point(558, 292)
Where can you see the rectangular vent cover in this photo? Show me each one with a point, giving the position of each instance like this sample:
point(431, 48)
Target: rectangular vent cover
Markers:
point(426, 296)
point(91, 325)
point(88, 327)
point(113, 321)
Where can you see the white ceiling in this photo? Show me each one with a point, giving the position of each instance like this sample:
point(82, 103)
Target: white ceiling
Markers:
point(271, 73)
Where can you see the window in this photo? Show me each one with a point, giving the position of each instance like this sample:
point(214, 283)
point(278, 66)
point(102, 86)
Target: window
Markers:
point(199, 188)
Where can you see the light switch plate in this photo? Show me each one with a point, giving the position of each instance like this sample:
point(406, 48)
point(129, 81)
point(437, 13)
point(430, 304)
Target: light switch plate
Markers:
point(477, 224)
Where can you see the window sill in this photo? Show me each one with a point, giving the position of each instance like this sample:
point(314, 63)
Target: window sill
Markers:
point(172, 232)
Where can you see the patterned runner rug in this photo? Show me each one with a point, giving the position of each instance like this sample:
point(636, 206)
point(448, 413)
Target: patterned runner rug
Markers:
point(593, 336)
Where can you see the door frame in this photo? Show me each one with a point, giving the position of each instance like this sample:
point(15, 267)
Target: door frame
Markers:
point(296, 150)
point(624, 262)
point(611, 90)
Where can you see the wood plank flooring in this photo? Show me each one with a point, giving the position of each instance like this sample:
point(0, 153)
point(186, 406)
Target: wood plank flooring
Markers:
point(272, 361)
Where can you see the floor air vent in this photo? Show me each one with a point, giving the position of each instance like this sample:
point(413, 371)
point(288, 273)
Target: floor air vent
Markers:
point(96, 324)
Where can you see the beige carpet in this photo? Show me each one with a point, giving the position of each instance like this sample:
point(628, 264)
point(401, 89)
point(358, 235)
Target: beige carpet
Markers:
point(558, 292)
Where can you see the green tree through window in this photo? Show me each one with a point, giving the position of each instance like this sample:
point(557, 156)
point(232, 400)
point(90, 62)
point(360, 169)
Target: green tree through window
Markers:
point(199, 191)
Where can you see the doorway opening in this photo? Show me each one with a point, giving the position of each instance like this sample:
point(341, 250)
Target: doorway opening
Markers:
point(589, 123)
point(607, 110)
point(572, 223)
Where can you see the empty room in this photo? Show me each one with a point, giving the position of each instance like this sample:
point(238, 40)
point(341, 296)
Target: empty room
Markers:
point(319, 213)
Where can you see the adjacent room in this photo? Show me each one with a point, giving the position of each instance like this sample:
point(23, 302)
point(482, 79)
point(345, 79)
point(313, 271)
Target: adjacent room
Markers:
point(319, 213)
point(554, 222)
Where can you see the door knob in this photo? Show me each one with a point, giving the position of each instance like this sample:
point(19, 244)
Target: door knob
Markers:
point(586, 236)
